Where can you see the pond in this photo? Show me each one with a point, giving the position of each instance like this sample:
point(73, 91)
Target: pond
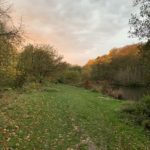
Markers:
point(127, 93)
point(135, 93)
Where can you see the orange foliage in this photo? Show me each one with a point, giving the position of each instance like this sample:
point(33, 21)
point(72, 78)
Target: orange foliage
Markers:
point(115, 52)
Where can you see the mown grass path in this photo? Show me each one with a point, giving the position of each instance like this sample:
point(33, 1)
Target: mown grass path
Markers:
point(60, 117)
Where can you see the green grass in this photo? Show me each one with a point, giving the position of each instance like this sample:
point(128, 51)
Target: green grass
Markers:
point(61, 117)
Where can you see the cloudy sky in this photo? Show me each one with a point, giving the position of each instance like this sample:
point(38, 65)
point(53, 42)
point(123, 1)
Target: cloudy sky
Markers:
point(79, 29)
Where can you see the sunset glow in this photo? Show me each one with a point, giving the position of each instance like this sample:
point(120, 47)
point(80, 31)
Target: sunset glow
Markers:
point(80, 29)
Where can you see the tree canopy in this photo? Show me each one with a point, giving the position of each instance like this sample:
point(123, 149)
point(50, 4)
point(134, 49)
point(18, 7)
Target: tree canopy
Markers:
point(140, 21)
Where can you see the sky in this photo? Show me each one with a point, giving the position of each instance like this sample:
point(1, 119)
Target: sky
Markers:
point(79, 29)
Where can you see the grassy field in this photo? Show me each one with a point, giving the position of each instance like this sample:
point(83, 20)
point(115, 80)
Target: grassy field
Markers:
point(61, 117)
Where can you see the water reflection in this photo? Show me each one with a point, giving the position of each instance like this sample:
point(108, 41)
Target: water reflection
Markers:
point(128, 93)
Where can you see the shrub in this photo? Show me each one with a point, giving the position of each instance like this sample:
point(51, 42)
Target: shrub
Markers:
point(70, 77)
point(139, 112)
point(20, 80)
point(30, 87)
point(87, 85)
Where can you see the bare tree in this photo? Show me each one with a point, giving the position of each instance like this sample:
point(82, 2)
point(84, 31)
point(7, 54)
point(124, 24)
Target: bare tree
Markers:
point(7, 28)
point(140, 22)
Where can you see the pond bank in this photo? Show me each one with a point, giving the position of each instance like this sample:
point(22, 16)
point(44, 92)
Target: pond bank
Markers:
point(119, 91)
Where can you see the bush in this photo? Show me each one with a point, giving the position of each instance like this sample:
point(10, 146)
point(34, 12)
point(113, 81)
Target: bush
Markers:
point(139, 112)
point(30, 87)
point(70, 77)
point(20, 80)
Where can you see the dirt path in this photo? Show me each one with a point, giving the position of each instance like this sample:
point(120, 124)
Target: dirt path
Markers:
point(84, 137)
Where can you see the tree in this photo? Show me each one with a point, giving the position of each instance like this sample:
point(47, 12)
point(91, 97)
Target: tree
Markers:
point(9, 37)
point(71, 74)
point(145, 61)
point(140, 27)
point(86, 73)
point(7, 28)
point(8, 54)
point(140, 22)
point(39, 62)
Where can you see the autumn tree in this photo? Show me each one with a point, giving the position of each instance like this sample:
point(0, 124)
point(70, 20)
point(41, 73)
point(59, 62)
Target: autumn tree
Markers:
point(140, 28)
point(39, 62)
point(10, 36)
point(8, 55)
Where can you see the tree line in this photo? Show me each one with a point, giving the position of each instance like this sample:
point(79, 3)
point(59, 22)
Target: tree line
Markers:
point(31, 63)
point(128, 66)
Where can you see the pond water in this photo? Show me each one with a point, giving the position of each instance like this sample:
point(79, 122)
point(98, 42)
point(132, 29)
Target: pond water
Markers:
point(127, 93)
point(134, 93)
